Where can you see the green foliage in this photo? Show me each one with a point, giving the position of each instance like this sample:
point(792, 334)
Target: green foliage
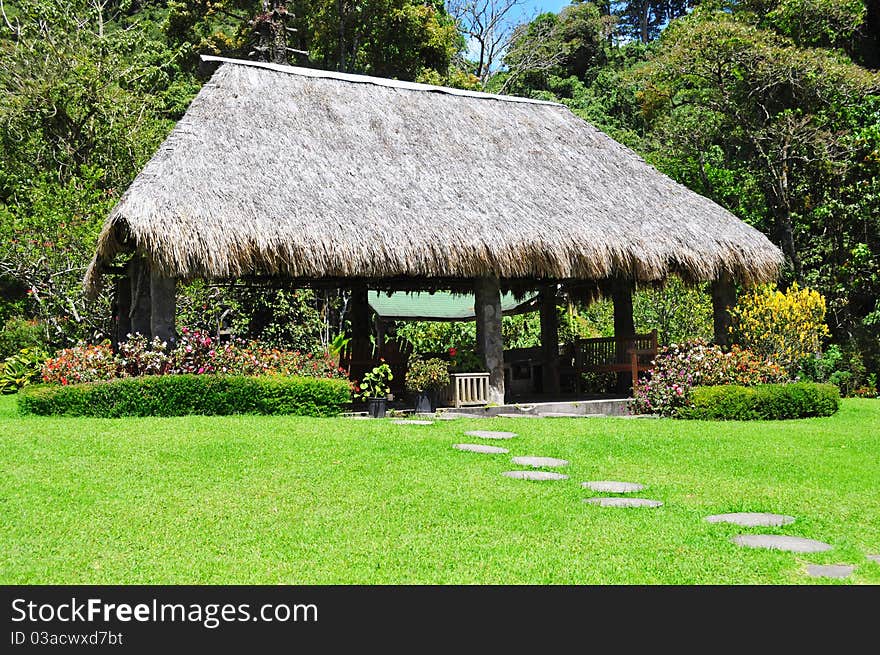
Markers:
point(678, 312)
point(339, 345)
point(375, 383)
point(18, 333)
point(465, 361)
point(437, 336)
point(180, 395)
point(86, 95)
point(21, 369)
point(568, 44)
point(389, 38)
point(843, 369)
point(764, 402)
point(426, 374)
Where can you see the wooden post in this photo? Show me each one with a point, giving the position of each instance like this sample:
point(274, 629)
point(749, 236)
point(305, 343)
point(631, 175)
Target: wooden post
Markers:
point(723, 298)
point(487, 306)
point(624, 325)
point(163, 307)
point(139, 313)
point(549, 340)
point(359, 313)
point(121, 309)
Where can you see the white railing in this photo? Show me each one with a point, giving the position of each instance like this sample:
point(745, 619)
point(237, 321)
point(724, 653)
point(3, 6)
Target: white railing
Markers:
point(466, 389)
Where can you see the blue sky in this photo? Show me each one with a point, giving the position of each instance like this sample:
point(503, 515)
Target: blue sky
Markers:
point(539, 6)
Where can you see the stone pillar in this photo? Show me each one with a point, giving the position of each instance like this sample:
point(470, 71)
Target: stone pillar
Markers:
point(487, 306)
point(139, 273)
point(723, 298)
point(624, 325)
point(121, 310)
point(549, 340)
point(163, 307)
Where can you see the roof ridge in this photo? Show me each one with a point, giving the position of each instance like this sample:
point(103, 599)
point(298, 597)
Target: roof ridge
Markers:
point(378, 81)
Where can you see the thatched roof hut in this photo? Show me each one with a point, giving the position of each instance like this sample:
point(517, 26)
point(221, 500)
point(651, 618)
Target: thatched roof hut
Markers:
point(311, 174)
point(346, 180)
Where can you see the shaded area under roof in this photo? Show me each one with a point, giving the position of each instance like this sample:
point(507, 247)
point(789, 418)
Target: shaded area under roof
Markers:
point(439, 306)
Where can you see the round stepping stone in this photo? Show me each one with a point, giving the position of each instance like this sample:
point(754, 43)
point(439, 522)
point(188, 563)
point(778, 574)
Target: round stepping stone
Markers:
point(781, 542)
point(412, 422)
point(540, 462)
point(829, 570)
point(488, 434)
point(613, 487)
point(480, 448)
point(752, 519)
point(534, 475)
point(623, 502)
point(874, 558)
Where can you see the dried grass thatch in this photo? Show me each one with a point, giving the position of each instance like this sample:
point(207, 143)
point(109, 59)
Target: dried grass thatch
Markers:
point(286, 171)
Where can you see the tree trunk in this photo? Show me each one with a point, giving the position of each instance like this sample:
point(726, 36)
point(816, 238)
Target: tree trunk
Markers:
point(487, 306)
point(624, 325)
point(549, 341)
point(785, 237)
point(723, 298)
point(139, 274)
point(163, 303)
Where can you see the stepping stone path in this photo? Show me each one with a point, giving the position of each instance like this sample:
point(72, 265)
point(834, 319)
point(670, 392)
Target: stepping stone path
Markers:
point(623, 502)
point(752, 519)
point(874, 558)
point(518, 416)
point(612, 487)
point(488, 434)
point(539, 462)
point(412, 422)
point(562, 415)
point(781, 542)
point(829, 570)
point(480, 448)
point(534, 475)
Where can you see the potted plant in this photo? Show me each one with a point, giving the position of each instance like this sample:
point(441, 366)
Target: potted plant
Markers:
point(425, 377)
point(374, 389)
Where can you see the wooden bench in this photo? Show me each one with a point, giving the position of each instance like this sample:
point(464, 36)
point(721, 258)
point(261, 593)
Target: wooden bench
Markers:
point(632, 354)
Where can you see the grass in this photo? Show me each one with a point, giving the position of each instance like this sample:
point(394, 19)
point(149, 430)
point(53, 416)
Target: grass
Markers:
point(249, 499)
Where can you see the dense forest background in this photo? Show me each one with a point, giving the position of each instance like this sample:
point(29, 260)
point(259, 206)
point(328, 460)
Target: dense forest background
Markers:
point(769, 107)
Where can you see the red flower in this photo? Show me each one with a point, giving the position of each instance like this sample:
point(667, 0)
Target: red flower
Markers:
point(453, 352)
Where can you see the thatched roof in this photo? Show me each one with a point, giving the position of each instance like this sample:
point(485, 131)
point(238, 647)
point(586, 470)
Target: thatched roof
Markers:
point(288, 171)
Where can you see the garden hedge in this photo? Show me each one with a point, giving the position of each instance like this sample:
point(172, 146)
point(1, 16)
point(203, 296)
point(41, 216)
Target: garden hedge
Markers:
point(180, 395)
point(763, 402)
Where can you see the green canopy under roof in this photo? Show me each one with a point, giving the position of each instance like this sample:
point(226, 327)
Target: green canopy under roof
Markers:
point(438, 306)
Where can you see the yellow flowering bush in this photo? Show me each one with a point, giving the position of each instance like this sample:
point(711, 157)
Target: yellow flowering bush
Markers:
point(785, 327)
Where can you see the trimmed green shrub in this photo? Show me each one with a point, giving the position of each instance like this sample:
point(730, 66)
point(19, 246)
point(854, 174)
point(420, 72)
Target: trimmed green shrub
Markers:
point(180, 395)
point(762, 402)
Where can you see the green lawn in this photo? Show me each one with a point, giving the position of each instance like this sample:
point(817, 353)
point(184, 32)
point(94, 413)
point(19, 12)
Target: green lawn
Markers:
point(295, 500)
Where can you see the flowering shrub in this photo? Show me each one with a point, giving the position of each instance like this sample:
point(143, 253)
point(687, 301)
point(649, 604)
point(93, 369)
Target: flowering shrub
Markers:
point(82, 364)
point(677, 369)
point(137, 356)
point(785, 327)
point(195, 353)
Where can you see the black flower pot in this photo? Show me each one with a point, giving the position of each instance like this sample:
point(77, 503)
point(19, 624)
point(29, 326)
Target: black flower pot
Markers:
point(376, 407)
point(426, 402)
